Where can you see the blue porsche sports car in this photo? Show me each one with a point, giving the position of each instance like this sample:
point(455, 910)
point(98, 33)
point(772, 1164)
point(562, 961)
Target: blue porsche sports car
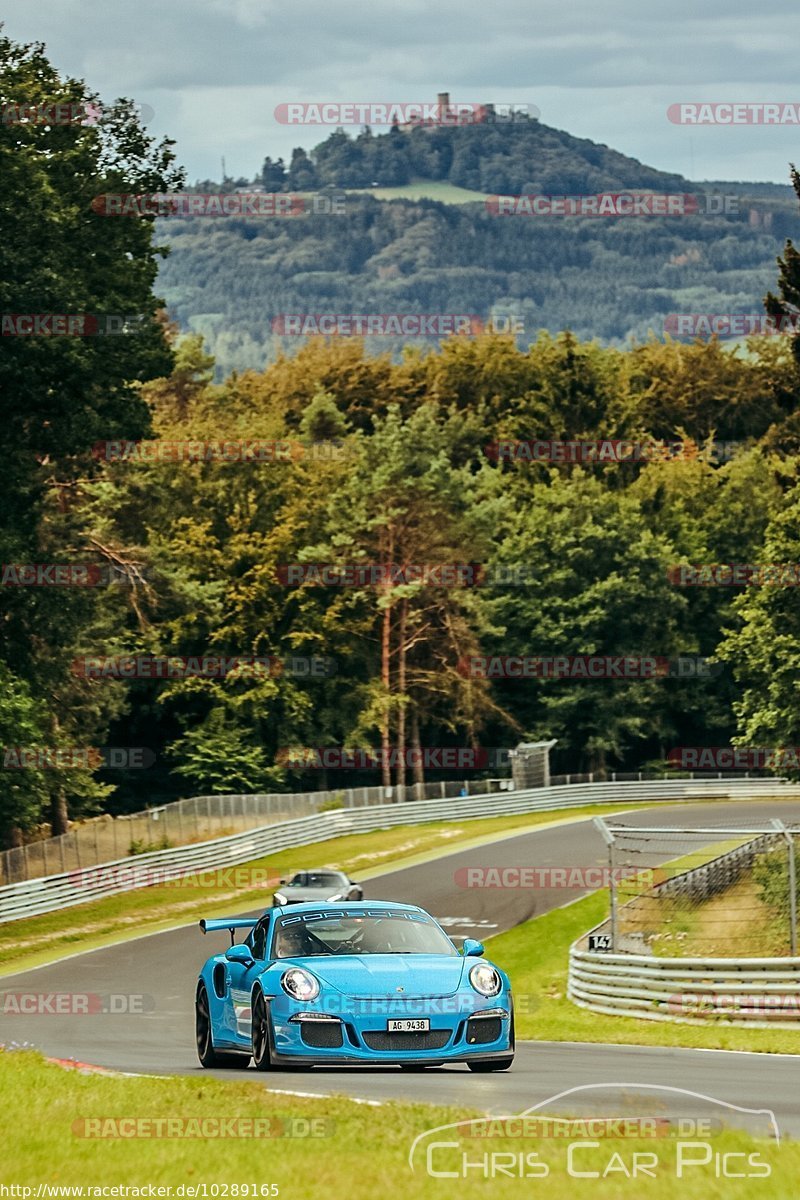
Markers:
point(356, 982)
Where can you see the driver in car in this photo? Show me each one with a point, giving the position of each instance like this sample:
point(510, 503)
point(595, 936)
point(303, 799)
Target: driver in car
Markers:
point(291, 942)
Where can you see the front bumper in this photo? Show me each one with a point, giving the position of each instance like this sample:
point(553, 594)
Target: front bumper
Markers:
point(479, 1030)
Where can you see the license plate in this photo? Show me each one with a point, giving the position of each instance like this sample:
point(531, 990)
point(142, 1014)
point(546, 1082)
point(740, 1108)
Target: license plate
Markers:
point(408, 1025)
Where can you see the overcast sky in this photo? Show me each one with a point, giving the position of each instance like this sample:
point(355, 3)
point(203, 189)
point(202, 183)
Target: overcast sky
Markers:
point(213, 71)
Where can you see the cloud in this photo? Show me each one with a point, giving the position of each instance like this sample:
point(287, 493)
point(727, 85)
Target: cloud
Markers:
point(214, 70)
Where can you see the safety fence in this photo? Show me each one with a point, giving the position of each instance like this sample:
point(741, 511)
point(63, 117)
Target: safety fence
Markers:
point(617, 967)
point(32, 897)
point(105, 838)
point(755, 992)
point(717, 875)
point(198, 819)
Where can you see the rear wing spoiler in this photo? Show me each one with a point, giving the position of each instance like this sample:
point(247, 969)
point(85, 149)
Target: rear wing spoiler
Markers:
point(229, 923)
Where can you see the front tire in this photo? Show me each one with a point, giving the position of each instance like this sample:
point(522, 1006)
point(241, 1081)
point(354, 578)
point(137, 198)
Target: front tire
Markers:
point(491, 1064)
point(497, 1064)
point(209, 1057)
point(262, 1033)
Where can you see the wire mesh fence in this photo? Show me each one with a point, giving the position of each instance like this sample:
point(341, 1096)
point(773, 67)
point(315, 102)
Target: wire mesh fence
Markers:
point(106, 839)
point(716, 892)
point(199, 819)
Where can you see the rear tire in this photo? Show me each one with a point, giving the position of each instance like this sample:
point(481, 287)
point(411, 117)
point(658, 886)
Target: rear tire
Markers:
point(209, 1057)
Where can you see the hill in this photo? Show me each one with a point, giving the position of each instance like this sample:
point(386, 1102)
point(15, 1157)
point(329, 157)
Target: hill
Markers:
point(394, 250)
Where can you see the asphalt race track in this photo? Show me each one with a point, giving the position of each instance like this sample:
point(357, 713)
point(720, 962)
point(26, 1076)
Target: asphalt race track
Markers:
point(163, 968)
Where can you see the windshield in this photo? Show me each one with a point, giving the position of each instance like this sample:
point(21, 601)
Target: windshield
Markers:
point(314, 879)
point(391, 932)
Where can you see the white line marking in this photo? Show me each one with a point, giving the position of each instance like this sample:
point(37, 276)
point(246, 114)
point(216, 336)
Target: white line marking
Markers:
point(326, 1096)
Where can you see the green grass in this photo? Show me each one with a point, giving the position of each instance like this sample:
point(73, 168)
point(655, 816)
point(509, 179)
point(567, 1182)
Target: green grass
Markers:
point(36, 940)
point(536, 955)
point(364, 1152)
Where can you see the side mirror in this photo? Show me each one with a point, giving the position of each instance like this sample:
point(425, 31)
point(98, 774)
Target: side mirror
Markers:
point(281, 881)
point(471, 948)
point(240, 954)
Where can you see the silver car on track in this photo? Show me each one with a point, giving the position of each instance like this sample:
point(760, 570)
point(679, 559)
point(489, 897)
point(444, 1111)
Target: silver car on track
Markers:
point(317, 885)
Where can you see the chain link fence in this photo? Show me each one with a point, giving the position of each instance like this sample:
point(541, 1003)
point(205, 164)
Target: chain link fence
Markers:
point(199, 819)
point(105, 839)
point(705, 893)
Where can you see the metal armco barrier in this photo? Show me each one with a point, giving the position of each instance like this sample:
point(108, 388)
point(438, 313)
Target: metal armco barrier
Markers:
point(78, 887)
point(755, 992)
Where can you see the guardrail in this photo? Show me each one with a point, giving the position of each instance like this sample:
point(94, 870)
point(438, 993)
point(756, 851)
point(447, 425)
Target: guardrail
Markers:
point(757, 992)
point(64, 890)
point(753, 992)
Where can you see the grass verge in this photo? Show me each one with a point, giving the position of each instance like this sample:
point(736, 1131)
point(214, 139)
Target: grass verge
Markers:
point(36, 940)
point(363, 1151)
point(536, 953)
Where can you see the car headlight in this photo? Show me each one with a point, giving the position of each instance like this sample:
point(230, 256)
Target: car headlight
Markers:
point(485, 979)
point(279, 898)
point(298, 984)
point(338, 896)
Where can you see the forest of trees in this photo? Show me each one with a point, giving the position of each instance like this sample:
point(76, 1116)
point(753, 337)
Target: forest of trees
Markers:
point(229, 280)
point(391, 464)
point(522, 155)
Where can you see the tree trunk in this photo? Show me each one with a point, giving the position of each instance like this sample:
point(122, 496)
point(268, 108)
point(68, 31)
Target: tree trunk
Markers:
point(386, 679)
point(401, 712)
point(59, 815)
point(417, 765)
point(13, 838)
